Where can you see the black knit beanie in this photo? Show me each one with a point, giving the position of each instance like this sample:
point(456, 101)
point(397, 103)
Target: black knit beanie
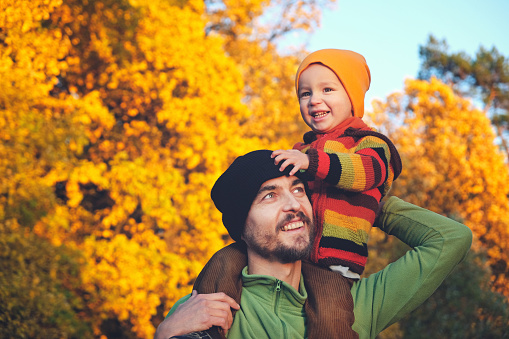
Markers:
point(234, 191)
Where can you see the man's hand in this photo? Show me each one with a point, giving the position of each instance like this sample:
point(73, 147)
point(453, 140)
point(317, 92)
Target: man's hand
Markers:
point(293, 157)
point(199, 313)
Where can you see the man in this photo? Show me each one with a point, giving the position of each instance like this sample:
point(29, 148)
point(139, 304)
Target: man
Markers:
point(278, 294)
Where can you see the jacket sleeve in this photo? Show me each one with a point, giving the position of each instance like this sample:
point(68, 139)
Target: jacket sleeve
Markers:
point(438, 245)
point(360, 169)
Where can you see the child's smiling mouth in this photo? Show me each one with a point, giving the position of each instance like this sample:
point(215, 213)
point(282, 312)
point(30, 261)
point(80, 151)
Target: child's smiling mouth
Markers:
point(321, 114)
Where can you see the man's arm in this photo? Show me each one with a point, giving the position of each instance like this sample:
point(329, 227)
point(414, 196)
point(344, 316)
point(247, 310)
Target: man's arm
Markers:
point(197, 312)
point(438, 243)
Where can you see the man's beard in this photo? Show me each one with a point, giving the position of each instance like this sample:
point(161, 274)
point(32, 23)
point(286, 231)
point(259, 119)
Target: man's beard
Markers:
point(271, 248)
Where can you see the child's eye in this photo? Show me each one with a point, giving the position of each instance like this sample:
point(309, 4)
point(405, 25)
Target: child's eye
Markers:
point(305, 94)
point(328, 90)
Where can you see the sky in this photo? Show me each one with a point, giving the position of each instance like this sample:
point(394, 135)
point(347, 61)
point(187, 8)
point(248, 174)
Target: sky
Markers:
point(388, 33)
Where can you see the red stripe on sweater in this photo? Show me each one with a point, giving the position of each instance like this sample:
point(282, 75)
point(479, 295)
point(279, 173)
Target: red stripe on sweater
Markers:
point(348, 256)
point(345, 208)
point(323, 164)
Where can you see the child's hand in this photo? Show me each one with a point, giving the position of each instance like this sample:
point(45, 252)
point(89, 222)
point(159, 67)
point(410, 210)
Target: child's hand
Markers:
point(293, 157)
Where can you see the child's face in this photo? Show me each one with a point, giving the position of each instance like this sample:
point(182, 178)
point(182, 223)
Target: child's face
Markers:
point(323, 101)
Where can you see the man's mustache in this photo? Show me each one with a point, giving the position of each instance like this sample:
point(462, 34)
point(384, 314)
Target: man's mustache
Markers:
point(290, 217)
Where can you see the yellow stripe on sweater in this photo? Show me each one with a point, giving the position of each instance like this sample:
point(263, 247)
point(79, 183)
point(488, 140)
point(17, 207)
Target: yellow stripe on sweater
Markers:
point(359, 184)
point(359, 237)
point(345, 227)
point(332, 146)
point(353, 175)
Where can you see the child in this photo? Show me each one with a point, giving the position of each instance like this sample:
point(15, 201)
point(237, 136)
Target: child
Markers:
point(350, 166)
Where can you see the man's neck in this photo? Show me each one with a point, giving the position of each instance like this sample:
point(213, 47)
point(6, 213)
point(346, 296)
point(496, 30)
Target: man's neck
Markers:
point(289, 273)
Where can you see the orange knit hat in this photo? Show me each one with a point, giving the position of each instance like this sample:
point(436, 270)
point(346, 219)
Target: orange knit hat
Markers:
point(351, 69)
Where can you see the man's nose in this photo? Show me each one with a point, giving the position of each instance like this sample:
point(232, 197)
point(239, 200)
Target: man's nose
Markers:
point(291, 203)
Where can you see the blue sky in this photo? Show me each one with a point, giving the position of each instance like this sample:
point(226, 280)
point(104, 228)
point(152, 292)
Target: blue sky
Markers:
point(388, 33)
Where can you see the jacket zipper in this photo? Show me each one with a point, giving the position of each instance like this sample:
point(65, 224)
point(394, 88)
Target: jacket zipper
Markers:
point(276, 305)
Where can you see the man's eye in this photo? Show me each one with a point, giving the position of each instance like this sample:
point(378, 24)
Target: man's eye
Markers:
point(299, 190)
point(268, 196)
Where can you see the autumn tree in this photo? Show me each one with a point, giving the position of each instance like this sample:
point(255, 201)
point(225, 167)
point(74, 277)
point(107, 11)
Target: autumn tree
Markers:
point(484, 76)
point(451, 163)
point(36, 283)
point(133, 197)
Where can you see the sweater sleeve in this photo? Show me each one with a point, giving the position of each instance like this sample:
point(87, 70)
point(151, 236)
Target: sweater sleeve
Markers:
point(438, 243)
point(359, 169)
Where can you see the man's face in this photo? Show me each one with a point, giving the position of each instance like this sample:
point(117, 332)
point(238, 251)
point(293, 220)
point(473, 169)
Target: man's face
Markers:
point(278, 225)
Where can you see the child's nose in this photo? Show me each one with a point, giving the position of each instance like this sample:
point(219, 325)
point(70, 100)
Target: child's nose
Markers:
point(315, 99)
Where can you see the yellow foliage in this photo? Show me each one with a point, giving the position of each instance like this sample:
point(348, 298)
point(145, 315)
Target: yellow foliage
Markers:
point(451, 163)
point(116, 273)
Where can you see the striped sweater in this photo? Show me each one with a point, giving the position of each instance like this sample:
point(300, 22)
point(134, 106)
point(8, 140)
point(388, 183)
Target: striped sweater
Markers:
point(350, 170)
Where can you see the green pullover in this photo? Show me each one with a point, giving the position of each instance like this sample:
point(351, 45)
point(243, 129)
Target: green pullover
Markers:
point(277, 307)
point(438, 245)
